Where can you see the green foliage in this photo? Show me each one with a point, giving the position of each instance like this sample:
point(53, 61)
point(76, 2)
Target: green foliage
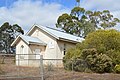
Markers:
point(7, 35)
point(75, 64)
point(72, 60)
point(87, 52)
point(80, 22)
point(89, 60)
point(103, 40)
point(99, 63)
point(79, 65)
point(67, 64)
point(72, 53)
point(100, 50)
point(114, 55)
point(117, 68)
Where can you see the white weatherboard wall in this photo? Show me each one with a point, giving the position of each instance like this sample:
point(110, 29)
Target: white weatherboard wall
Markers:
point(19, 55)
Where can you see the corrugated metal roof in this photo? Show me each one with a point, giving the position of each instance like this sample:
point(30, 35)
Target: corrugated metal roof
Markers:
point(32, 40)
point(60, 34)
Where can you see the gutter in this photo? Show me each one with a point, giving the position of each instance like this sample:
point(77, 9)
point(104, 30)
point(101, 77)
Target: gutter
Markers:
point(69, 40)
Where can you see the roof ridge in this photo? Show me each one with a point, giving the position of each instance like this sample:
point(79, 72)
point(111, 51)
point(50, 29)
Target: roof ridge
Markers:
point(61, 31)
point(54, 29)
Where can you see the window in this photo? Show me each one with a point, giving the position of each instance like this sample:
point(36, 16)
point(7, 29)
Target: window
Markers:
point(22, 49)
point(37, 53)
point(64, 49)
point(22, 52)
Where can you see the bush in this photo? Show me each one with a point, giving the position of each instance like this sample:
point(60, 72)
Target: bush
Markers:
point(103, 40)
point(99, 63)
point(75, 64)
point(79, 65)
point(114, 55)
point(72, 60)
point(68, 64)
point(86, 52)
point(72, 53)
point(117, 68)
point(90, 59)
point(100, 50)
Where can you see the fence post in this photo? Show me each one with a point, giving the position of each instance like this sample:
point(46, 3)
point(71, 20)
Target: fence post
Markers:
point(18, 65)
point(41, 67)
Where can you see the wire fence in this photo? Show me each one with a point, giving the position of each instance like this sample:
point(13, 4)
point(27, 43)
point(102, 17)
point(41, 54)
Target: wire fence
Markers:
point(35, 67)
point(16, 67)
point(28, 66)
point(32, 67)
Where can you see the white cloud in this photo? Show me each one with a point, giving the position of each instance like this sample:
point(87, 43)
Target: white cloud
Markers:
point(26, 13)
point(112, 5)
point(101, 4)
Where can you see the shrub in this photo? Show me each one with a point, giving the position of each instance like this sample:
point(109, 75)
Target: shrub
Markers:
point(99, 63)
point(75, 64)
point(86, 52)
point(100, 50)
point(79, 65)
point(114, 55)
point(72, 53)
point(103, 40)
point(90, 59)
point(67, 64)
point(117, 68)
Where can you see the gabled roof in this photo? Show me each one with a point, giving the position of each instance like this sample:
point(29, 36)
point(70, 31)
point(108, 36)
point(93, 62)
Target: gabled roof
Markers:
point(28, 40)
point(58, 34)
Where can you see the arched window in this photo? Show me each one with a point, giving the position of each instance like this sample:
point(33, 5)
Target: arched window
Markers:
point(22, 52)
point(22, 49)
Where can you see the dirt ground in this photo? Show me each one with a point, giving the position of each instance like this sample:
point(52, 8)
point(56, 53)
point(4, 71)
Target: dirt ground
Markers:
point(13, 72)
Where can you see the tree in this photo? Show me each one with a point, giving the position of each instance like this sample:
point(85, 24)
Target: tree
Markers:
point(78, 2)
point(7, 35)
point(81, 22)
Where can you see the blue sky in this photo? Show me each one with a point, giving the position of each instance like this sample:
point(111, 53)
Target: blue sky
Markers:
point(45, 12)
point(66, 3)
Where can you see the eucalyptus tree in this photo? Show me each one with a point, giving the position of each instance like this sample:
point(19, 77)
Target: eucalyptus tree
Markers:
point(80, 22)
point(75, 23)
point(7, 35)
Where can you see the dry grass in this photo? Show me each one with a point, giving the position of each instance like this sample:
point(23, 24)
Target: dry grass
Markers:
point(11, 70)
